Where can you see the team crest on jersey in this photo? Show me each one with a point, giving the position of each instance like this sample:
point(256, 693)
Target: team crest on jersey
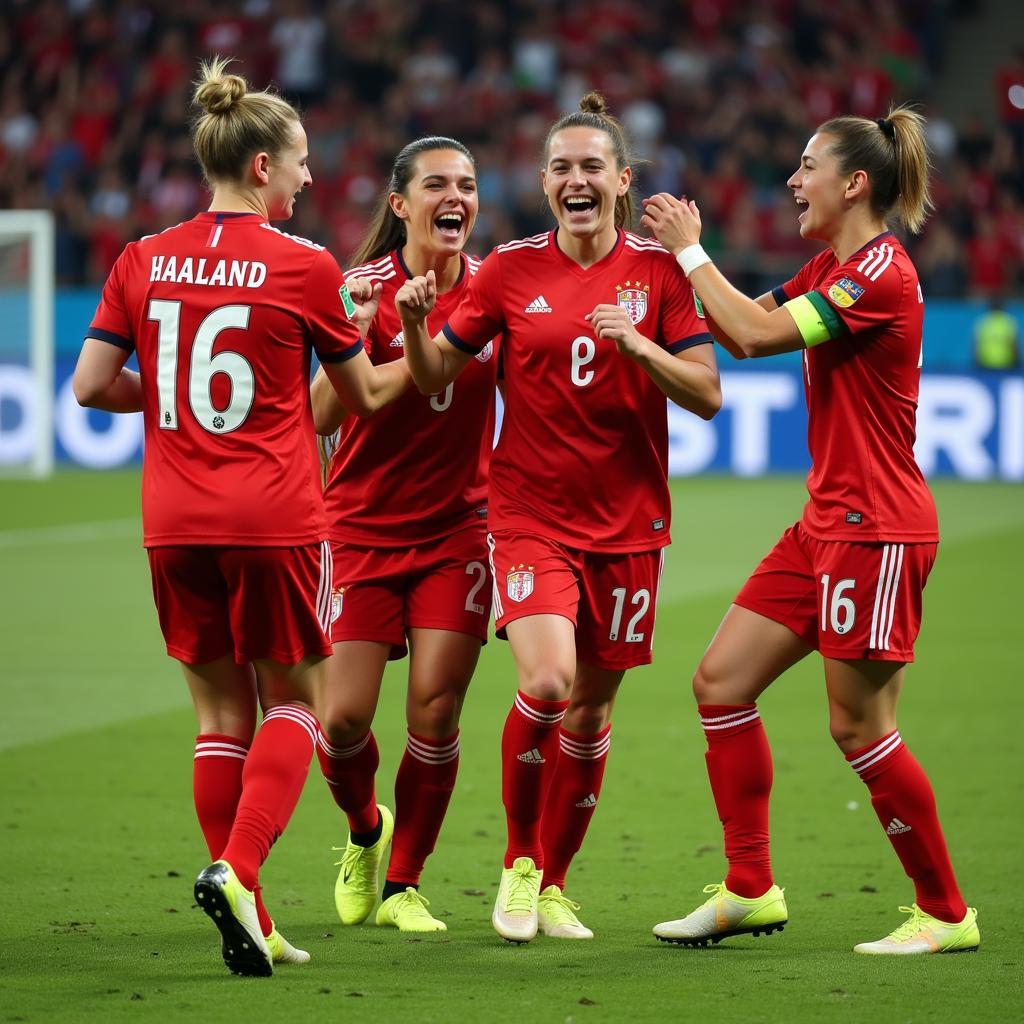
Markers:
point(337, 603)
point(845, 292)
point(486, 352)
point(633, 299)
point(519, 583)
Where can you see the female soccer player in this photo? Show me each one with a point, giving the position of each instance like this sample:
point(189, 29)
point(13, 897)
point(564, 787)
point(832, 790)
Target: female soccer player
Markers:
point(597, 328)
point(847, 578)
point(410, 563)
point(223, 311)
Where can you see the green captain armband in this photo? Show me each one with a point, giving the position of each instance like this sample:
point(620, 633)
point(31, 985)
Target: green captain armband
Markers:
point(815, 319)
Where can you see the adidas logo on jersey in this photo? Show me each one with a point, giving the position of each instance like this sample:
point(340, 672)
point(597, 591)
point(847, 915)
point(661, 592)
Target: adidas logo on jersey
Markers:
point(590, 801)
point(531, 757)
point(398, 341)
point(896, 827)
point(539, 305)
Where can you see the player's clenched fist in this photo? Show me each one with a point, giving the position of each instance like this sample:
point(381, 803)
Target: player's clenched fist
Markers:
point(366, 295)
point(416, 298)
point(612, 323)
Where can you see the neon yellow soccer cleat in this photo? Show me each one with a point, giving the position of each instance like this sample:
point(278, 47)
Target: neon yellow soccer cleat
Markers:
point(725, 914)
point(556, 915)
point(355, 891)
point(922, 933)
point(407, 911)
point(282, 951)
point(232, 908)
point(515, 910)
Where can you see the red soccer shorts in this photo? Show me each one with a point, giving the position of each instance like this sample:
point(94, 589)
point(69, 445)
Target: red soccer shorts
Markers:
point(253, 602)
point(847, 600)
point(380, 593)
point(610, 599)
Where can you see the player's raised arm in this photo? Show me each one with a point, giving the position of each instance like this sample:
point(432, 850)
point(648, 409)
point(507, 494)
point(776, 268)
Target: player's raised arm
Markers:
point(433, 362)
point(754, 328)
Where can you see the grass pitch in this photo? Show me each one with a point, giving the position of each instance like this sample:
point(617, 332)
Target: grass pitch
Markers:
point(100, 847)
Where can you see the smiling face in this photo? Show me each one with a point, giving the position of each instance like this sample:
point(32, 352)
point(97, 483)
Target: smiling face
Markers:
point(289, 175)
point(582, 181)
point(822, 194)
point(440, 203)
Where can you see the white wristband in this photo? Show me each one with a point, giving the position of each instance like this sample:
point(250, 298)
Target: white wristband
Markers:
point(692, 257)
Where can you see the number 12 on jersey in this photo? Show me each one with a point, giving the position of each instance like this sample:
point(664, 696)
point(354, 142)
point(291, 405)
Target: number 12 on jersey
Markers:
point(203, 364)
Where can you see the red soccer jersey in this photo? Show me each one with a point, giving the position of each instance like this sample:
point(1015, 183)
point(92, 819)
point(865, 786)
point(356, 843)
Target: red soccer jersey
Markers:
point(222, 311)
point(861, 388)
point(405, 475)
point(583, 452)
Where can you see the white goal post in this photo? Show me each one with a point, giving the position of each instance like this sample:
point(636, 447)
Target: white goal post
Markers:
point(27, 343)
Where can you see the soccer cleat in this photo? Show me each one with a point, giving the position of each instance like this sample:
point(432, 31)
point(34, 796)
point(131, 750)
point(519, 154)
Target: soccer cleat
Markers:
point(282, 951)
point(922, 933)
point(232, 908)
point(407, 911)
point(515, 909)
point(355, 892)
point(726, 914)
point(556, 915)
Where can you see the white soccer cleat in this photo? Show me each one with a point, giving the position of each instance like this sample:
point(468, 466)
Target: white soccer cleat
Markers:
point(726, 914)
point(515, 909)
point(922, 933)
point(556, 915)
point(282, 951)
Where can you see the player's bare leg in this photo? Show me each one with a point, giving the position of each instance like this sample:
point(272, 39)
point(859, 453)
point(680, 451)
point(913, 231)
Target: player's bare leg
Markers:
point(584, 740)
point(442, 663)
point(346, 703)
point(747, 653)
point(862, 696)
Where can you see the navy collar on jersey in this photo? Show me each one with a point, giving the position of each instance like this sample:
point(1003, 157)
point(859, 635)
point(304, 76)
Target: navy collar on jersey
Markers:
point(875, 240)
point(620, 237)
point(219, 216)
point(408, 273)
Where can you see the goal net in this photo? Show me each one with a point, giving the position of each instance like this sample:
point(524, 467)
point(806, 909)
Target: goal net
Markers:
point(26, 342)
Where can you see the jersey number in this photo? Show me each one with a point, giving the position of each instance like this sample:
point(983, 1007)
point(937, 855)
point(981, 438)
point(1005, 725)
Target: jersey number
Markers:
point(641, 600)
point(478, 570)
point(202, 367)
point(441, 401)
point(840, 612)
point(583, 352)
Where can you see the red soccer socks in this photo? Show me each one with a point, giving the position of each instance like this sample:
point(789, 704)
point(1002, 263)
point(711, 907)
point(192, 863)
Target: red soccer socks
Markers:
point(740, 770)
point(572, 800)
point(272, 781)
point(529, 750)
point(350, 772)
point(423, 788)
point(905, 804)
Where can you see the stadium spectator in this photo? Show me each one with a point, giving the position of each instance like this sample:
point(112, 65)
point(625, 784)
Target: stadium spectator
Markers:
point(578, 505)
point(242, 585)
point(410, 563)
point(997, 339)
point(847, 579)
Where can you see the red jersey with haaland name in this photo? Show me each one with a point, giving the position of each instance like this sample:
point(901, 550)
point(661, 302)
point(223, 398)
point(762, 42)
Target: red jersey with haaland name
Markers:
point(862, 386)
point(223, 311)
point(583, 452)
point(407, 474)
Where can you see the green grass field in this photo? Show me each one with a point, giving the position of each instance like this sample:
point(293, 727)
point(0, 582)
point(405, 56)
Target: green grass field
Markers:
point(100, 846)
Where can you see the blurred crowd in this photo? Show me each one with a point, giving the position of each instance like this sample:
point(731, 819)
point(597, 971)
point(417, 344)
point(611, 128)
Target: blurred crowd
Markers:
point(718, 96)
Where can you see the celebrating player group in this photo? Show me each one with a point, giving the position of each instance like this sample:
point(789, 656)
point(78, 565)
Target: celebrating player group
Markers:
point(283, 587)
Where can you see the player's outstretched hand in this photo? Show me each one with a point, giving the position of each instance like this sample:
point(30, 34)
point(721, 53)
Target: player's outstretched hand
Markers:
point(416, 298)
point(366, 295)
point(612, 323)
point(675, 222)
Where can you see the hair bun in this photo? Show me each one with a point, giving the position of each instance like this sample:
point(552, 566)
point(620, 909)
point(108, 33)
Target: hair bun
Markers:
point(218, 95)
point(593, 103)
